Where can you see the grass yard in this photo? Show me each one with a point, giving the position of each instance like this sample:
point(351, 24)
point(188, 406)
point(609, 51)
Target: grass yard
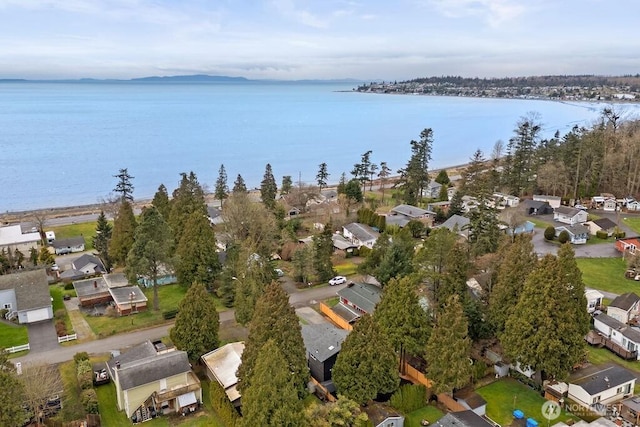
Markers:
point(345, 268)
point(57, 292)
point(430, 413)
point(85, 229)
point(72, 408)
point(599, 356)
point(507, 394)
point(606, 274)
point(633, 222)
point(11, 336)
point(539, 223)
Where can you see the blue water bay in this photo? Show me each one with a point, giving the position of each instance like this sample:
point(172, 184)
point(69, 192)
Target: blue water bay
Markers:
point(61, 143)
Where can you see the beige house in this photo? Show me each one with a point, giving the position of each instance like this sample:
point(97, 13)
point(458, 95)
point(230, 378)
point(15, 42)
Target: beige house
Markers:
point(152, 380)
point(12, 238)
point(624, 307)
point(222, 365)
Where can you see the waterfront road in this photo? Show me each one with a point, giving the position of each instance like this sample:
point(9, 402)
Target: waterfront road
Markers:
point(297, 298)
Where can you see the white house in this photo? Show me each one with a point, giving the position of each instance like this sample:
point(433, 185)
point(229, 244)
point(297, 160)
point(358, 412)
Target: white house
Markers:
point(624, 307)
point(594, 299)
point(578, 234)
point(610, 204)
point(633, 206)
point(554, 201)
point(606, 385)
point(360, 234)
point(568, 215)
point(67, 246)
point(618, 332)
point(26, 296)
point(12, 238)
point(222, 364)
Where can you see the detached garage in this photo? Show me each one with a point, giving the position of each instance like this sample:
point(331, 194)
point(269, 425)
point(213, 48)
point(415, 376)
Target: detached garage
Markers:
point(26, 296)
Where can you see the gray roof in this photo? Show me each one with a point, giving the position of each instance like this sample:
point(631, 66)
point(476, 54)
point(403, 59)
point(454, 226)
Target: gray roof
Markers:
point(31, 288)
point(576, 229)
point(89, 287)
point(362, 295)
point(411, 211)
point(323, 340)
point(462, 419)
point(362, 232)
point(81, 262)
point(224, 362)
point(567, 210)
point(536, 204)
point(341, 243)
point(347, 313)
point(625, 301)
point(627, 331)
point(456, 220)
point(148, 368)
point(67, 243)
point(399, 220)
point(605, 223)
point(604, 379)
point(72, 274)
point(122, 295)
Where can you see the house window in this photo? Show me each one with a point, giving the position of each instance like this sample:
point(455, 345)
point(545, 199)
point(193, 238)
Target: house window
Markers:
point(7, 306)
point(619, 390)
point(596, 399)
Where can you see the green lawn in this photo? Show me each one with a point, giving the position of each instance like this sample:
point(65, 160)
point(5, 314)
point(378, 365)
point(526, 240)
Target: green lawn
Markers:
point(430, 413)
point(11, 336)
point(598, 356)
point(57, 292)
point(539, 223)
point(72, 408)
point(85, 229)
point(606, 274)
point(633, 222)
point(507, 394)
point(345, 268)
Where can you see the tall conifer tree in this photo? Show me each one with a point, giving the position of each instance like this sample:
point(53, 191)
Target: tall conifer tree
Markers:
point(197, 256)
point(124, 227)
point(268, 188)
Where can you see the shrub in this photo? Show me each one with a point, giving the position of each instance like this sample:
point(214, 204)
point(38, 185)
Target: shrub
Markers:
point(68, 286)
point(80, 356)
point(60, 314)
point(287, 251)
point(111, 312)
point(61, 328)
point(549, 233)
point(3, 313)
point(620, 234)
point(89, 400)
point(564, 237)
point(409, 397)
point(170, 314)
point(365, 251)
point(84, 373)
point(221, 404)
point(601, 234)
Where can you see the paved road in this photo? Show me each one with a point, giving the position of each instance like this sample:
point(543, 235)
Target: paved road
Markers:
point(301, 298)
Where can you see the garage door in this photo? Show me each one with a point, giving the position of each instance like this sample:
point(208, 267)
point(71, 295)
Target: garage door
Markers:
point(37, 315)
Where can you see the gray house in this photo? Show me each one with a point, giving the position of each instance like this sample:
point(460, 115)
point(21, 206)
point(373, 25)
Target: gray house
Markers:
point(26, 296)
point(67, 246)
point(463, 419)
point(360, 234)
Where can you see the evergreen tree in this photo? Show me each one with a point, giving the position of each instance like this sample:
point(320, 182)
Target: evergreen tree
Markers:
point(342, 184)
point(161, 201)
point(322, 177)
point(124, 187)
point(455, 207)
point(367, 364)
point(362, 171)
point(343, 412)
point(239, 187)
point(197, 253)
point(197, 323)
point(402, 319)
point(397, 261)
point(187, 199)
point(124, 227)
point(384, 173)
point(484, 228)
point(150, 252)
point(250, 285)
point(353, 191)
point(11, 394)
point(322, 251)
point(45, 257)
point(474, 177)
point(272, 397)
point(414, 178)
point(521, 162)
point(449, 349)
point(102, 238)
point(274, 319)
point(287, 184)
point(572, 281)
point(33, 256)
point(454, 281)
point(442, 178)
point(302, 261)
point(431, 259)
point(518, 260)
point(268, 188)
point(222, 189)
point(545, 330)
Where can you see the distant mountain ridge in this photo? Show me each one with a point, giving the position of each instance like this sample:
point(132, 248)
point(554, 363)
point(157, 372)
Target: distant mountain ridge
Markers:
point(190, 78)
point(203, 78)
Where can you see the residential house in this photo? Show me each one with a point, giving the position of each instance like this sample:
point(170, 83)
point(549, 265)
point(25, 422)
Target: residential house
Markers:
point(625, 339)
point(91, 292)
point(166, 276)
point(629, 410)
point(443, 206)
point(432, 191)
point(569, 215)
point(340, 243)
point(409, 213)
point(222, 365)
point(12, 238)
point(152, 380)
point(360, 234)
point(536, 207)
point(553, 201)
point(26, 296)
point(471, 400)
point(506, 200)
point(214, 215)
point(594, 299)
point(357, 299)
point(624, 308)
point(526, 227)
point(602, 224)
point(628, 244)
point(599, 386)
point(578, 234)
point(458, 224)
point(463, 419)
point(128, 299)
point(382, 415)
point(68, 246)
point(610, 204)
point(322, 343)
point(88, 265)
point(469, 203)
point(633, 206)
point(598, 422)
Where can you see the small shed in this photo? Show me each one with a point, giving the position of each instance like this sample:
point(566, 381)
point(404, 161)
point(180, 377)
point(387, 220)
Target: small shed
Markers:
point(128, 299)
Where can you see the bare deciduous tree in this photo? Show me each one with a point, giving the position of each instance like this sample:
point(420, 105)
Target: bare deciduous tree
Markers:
point(41, 382)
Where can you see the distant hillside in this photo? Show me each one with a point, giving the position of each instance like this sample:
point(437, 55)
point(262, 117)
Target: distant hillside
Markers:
point(190, 78)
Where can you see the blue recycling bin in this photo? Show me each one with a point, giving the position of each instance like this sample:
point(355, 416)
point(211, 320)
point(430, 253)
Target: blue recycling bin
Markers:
point(518, 414)
point(531, 422)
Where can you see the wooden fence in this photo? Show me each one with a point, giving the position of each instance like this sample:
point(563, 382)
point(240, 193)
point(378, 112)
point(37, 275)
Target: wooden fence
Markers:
point(67, 338)
point(410, 373)
point(18, 348)
point(339, 321)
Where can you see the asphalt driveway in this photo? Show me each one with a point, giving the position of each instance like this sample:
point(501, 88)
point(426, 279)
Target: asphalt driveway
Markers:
point(42, 336)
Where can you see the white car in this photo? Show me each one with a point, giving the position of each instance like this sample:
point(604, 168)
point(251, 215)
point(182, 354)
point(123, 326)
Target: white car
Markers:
point(338, 280)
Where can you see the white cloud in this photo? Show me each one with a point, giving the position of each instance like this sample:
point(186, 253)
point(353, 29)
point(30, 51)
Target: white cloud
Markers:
point(493, 12)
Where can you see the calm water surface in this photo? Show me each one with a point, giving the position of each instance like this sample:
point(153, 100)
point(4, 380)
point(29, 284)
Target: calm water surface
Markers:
point(60, 143)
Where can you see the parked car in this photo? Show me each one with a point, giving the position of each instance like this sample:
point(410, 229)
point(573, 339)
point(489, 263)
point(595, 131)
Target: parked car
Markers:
point(279, 272)
point(55, 267)
point(338, 280)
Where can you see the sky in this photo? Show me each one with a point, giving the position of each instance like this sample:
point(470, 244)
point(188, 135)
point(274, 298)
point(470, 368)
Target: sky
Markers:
point(317, 39)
